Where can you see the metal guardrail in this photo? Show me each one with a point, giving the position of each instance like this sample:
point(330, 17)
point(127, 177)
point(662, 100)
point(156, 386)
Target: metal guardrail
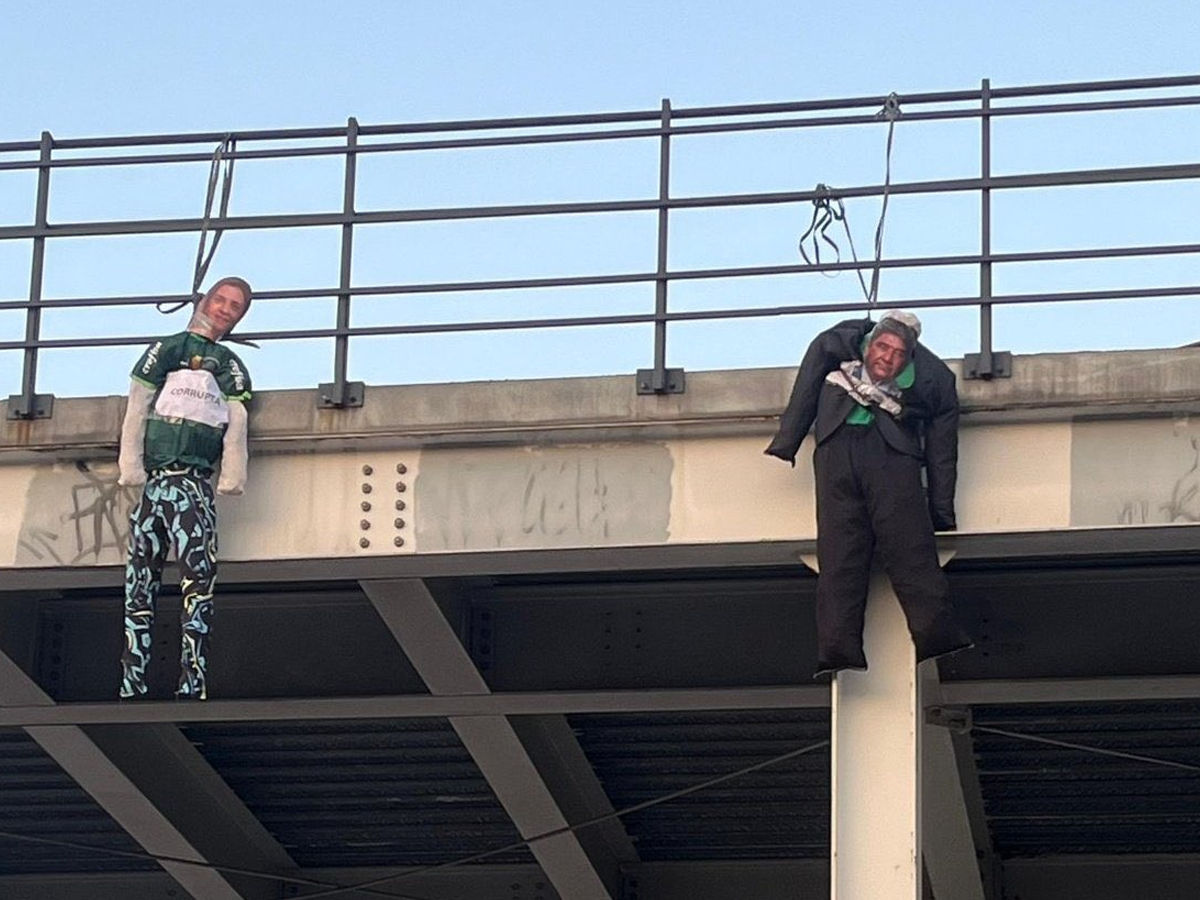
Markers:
point(664, 124)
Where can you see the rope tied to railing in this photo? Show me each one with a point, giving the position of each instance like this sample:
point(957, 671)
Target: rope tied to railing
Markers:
point(828, 209)
point(227, 145)
point(220, 171)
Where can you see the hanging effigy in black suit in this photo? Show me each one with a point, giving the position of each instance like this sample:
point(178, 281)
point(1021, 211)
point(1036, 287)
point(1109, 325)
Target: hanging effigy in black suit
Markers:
point(884, 406)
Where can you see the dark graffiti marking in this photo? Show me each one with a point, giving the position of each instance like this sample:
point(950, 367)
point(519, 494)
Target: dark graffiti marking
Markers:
point(40, 544)
point(545, 498)
point(92, 519)
point(1181, 507)
point(100, 512)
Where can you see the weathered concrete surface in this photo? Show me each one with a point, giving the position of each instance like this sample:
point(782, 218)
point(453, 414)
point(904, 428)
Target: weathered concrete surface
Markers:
point(1093, 439)
point(1062, 386)
point(1136, 471)
point(545, 497)
point(1099, 383)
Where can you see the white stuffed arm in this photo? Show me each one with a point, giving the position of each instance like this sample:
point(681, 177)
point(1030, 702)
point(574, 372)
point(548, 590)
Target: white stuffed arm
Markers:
point(133, 435)
point(234, 453)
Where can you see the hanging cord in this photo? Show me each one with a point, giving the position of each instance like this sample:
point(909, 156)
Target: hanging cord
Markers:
point(215, 176)
point(222, 154)
point(227, 146)
point(369, 886)
point(1100, 751)
point(828, 209)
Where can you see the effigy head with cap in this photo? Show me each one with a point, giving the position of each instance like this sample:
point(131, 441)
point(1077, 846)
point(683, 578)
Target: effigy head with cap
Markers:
point(890, 344)
point(221, 307)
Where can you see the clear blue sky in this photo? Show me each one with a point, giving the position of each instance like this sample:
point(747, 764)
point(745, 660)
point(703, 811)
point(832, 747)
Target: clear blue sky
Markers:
point(87, 69)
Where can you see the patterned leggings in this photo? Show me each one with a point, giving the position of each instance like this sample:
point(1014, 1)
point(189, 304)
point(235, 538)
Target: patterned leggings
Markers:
point(177, 511)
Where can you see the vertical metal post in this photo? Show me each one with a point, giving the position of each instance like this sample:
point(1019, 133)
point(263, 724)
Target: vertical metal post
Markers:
point(660, 379)
point(985, 228)
point(986, 364)
point(341, 393)
point(29, 404)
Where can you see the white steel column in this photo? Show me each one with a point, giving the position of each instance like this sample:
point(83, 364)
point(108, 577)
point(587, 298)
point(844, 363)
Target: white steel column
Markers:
point(875, 825)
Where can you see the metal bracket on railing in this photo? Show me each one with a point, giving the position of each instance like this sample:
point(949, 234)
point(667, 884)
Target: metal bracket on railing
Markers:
point(986, 366)
point(956, 718)
point(891, 108)
point(39, 406)
point(665, 381)
point(343, 395)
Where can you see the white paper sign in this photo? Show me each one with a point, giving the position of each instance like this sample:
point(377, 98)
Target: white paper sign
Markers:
point(193, 394)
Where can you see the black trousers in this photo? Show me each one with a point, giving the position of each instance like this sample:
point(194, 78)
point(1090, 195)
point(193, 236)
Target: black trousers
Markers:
point(870, 500)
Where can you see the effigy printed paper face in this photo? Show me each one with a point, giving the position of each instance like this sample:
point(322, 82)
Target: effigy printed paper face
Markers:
point(219, 311)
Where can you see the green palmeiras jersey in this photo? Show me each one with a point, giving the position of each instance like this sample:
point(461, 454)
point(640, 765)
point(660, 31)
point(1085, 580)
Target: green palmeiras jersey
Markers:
point(194, 380)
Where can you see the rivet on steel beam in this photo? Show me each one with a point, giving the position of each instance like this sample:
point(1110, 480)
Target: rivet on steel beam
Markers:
point(399, 504)
point(366, 489)
point(364, 543)
point(364, 525)
point(401, 487)
point(398, 541)
point(366, 506)
point(367, 470)
point(401, 468)
point(399, 523)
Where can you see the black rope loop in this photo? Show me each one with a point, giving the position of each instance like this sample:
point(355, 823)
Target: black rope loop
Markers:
point(221, 155)
point(828, 208)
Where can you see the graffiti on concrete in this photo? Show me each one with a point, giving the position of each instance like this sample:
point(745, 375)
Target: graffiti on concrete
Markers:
point(556, 497)
point(75, 514)
point(1134, 512)
point(1182, 505)
point(1137, 472)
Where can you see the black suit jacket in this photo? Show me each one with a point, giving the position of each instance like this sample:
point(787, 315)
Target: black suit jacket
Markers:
point(927, 427)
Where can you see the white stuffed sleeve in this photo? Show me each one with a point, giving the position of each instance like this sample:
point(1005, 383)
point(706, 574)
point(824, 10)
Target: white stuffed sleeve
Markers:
point(234, 453)
point(131, 461)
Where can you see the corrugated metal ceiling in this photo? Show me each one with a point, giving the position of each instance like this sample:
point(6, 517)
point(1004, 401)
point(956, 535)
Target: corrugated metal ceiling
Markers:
point(397, 792)
point(781, 812)
point(38, 799)
point(1043, 799)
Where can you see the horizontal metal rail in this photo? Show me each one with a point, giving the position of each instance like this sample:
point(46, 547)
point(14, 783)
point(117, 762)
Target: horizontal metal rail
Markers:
point(664, 125)
point(608, 135)
point(1134, 174)
point(753, 109)
point(1192, 290)
point(510, 284)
